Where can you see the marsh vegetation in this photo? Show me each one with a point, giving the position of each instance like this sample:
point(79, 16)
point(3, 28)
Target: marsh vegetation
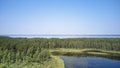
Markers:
point(39, 52)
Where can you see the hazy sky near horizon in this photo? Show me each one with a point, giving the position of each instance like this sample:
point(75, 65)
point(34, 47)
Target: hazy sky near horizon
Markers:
point(59, 16)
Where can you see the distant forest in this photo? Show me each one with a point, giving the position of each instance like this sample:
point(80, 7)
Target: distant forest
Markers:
point(14, 50)
point(50, 43)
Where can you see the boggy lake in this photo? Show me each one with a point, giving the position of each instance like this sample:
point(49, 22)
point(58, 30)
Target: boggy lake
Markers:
point(89, 62)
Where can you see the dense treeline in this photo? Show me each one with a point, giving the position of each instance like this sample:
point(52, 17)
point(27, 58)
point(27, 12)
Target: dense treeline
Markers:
point(21, 51)
point(25, 43)
point(97, 43)
point(36, 49)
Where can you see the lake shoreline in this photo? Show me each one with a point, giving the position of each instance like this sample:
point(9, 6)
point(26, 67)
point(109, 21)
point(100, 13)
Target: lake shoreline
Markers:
point(80, 52)
point(58, 62)
point(46, 53)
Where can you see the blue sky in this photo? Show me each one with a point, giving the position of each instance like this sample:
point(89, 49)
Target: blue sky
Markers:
point(59, 16)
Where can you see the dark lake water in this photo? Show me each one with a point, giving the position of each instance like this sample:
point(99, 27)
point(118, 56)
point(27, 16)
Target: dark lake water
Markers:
point(89, 62)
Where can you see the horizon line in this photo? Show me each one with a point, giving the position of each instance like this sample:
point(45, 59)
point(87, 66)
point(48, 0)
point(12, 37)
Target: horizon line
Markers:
point(59, 34)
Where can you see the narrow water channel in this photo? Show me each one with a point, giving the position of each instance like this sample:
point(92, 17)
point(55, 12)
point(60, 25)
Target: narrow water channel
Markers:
point(89, 62)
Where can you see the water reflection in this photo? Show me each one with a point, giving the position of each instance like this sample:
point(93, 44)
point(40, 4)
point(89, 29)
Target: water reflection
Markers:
point(89, 62)
point(74, 62)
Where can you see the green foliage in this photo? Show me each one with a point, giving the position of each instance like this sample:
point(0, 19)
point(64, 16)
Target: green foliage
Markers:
point(35, 50)
point(21, 50)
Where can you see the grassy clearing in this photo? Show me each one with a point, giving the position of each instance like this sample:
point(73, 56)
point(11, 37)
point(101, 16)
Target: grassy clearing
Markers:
point(87, 52)
point(57, 62)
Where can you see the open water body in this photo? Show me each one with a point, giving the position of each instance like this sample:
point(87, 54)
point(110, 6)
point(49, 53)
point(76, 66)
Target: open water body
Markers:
point(89, 62)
